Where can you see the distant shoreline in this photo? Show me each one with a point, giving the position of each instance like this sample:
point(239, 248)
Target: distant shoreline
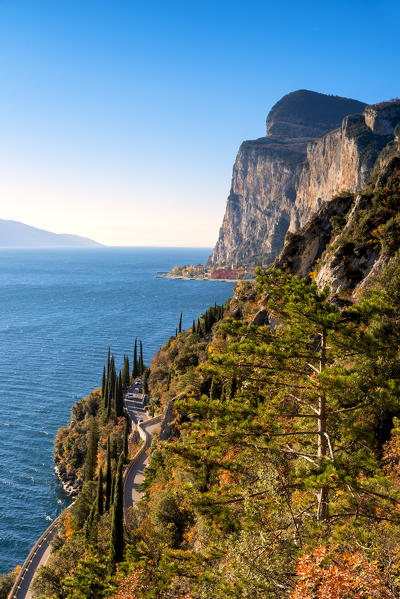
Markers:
point(209, 280)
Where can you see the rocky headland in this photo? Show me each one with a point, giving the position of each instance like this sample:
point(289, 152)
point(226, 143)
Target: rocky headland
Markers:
point(316, 146)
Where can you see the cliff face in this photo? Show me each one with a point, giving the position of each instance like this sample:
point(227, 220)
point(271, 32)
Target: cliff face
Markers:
point(340, 161)
point(260, 203)
point(312, 151)
point(348, 240)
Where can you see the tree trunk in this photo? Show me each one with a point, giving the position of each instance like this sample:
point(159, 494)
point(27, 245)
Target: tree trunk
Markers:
point(323, 495)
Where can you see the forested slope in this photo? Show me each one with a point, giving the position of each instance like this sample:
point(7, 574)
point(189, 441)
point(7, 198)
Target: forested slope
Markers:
point(277, 469)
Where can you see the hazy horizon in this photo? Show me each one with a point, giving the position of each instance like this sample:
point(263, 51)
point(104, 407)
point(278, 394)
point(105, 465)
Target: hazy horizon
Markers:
point(120, 122)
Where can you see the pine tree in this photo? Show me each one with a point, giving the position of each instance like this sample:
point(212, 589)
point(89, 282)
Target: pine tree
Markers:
point(108, 476)
point(213, 389)
point(180, 324)
point(117, 522)
point(100, 499)
point(91, 452)
point(305, 384)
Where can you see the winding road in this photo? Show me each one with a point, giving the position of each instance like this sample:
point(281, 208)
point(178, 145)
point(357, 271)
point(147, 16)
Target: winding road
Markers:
point(134, 475)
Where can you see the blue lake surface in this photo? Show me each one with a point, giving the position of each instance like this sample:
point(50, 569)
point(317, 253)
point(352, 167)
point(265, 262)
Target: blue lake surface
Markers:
point(59, 311)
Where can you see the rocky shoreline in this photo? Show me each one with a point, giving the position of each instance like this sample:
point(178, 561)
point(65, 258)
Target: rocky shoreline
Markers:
point(204, 279)
point(70, 487)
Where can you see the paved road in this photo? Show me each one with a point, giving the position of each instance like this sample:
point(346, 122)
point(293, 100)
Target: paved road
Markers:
point(136, 411)
point(135, 475)
point(39, 558)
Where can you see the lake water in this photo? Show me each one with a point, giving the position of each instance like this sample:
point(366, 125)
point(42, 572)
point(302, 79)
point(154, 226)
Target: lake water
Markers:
point(60, 309)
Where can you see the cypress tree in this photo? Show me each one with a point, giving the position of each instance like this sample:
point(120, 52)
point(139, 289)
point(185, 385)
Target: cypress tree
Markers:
point(115, 398)
point(117, 523)
point(89, 523)
point(141, 364)
point(108, 476)
point(108, 403)
point(108, 362)
point(126, 435)
point(113, 374)
point(91, 452)
point(135, 368)
point(193, 327)
point(103, 383)
point(146, 375)
point(125, 373)
point(100, 499)
point(180, 324)
point(206, 323)
point(112, 490)
point(119, 398)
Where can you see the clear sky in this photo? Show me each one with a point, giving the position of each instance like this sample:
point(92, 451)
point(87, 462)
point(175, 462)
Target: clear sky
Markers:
point(120, 121)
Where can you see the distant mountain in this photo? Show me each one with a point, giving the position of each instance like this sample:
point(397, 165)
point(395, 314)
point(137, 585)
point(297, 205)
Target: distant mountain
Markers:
point(18, 235)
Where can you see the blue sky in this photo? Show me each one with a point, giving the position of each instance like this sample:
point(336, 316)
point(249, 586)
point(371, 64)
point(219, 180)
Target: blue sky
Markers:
point(121, 120)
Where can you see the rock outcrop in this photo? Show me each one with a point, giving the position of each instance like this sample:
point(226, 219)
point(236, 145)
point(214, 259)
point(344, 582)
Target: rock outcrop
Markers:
point(348, 241)
point(314, 149)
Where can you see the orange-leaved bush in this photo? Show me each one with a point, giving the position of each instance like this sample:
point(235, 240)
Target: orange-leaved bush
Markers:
point(345, 576)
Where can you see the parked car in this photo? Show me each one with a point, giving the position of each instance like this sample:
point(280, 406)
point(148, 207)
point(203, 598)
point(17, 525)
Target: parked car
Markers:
point(140, 420)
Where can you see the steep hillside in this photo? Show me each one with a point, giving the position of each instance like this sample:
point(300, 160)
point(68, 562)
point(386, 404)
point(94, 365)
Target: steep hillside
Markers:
point(277, 469)
point(280, 180)
point(351, 237)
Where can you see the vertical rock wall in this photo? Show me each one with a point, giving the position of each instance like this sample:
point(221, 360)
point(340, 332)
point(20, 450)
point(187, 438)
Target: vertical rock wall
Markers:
point(312, 151)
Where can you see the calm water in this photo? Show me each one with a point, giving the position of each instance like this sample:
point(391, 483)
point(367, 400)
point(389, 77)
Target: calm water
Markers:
point(60, 310)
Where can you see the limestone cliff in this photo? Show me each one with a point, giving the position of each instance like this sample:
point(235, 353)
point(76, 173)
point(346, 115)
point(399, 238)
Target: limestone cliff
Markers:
point(340, 161)
point(348, 240)
point(313, 150)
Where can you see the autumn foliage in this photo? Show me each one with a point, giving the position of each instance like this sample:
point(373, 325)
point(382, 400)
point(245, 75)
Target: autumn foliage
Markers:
point(346, 576)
